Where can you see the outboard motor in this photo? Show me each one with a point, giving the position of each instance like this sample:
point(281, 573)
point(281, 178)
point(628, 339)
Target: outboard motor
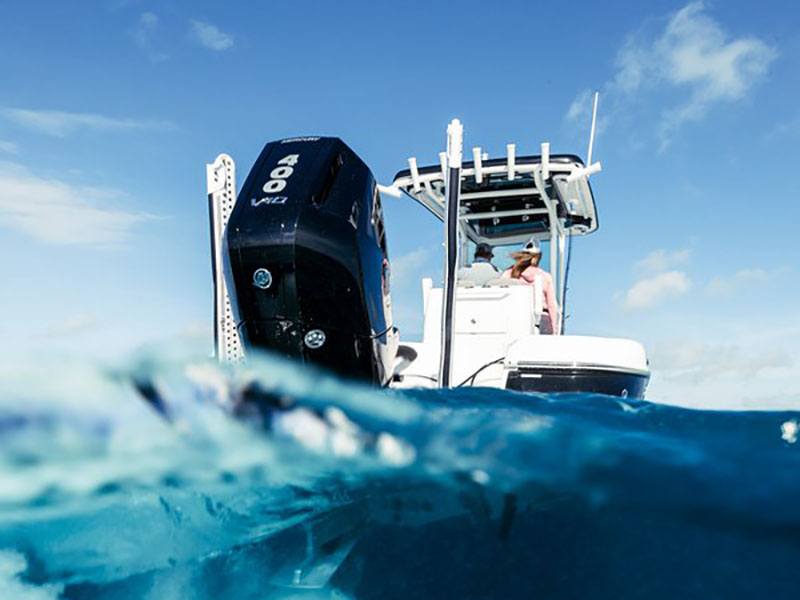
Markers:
point(308, 261)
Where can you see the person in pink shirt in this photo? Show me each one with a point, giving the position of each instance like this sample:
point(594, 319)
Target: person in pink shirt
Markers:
point(526, 268)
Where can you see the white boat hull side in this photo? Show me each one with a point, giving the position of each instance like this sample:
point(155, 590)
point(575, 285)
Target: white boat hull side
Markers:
point(537, 363)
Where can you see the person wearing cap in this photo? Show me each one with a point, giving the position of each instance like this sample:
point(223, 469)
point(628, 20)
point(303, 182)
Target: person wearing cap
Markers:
point(484, 254)
point(526, 269)
point(481, 271)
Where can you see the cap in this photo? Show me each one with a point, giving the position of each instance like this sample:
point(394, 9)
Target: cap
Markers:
point(532, 247)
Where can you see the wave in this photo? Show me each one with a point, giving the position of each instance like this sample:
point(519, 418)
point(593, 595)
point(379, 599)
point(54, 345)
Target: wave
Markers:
point(172, 476)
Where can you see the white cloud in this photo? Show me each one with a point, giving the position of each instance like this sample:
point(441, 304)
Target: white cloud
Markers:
point(210, 36)
point(59, 123)
point(406, 268)
point(8, 147)
point(579, 113)
point(743, 374)
point(695, 53)
point(758, 371)
point(662, 260)
point(52, 211)
point(580, 106)
point(197, 330)
point(699, 361)
point(144, 35)
point(747, 363)
point(693, 57)
point(724, 286)
point(787, 128)
point(73, 325)
point(407, 272)
point(650, 291)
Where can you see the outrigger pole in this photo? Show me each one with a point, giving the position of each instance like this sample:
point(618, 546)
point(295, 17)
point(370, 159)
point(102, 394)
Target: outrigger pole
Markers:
point(594, 125)
point(595, 100)
point(455, 141)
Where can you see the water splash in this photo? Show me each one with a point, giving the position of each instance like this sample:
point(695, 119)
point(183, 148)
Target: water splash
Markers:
point(170, 476)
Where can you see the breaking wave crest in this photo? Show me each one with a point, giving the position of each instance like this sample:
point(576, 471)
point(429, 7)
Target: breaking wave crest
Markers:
point(174, 477)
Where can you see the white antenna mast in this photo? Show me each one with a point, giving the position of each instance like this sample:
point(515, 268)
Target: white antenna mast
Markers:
point(594, 126)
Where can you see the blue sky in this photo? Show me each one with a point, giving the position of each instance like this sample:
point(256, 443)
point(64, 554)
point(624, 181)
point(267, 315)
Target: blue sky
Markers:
point(109, 111)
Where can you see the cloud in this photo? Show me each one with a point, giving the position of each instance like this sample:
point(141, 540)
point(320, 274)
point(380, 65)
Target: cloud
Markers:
point(210, 36)
point(662, 260)
point(691, 57)
point(60, 124)
point(701, 361)
point(744, 364)
point(694, 53)
point(580, 106)
point(202, 330)
point(789, 127)
point(579, 112)
point(52, 211)
point(406, 267)
point(144, 35)
point(407, 271)
point(724, 286)
point(118, 4)
point(650, 291)
point(8, 147)
point(73, 325)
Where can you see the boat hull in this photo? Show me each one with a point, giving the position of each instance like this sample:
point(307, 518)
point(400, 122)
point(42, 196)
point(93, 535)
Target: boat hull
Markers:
point(594, 381)
point(536, 364)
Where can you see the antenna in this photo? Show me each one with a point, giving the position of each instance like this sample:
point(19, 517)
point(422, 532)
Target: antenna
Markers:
point(594, 126)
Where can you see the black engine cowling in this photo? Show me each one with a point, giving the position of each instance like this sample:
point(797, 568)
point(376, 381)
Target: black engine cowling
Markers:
point(308, 260)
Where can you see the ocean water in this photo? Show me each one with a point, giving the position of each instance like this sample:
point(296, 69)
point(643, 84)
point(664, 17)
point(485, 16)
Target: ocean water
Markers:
point(169, 476)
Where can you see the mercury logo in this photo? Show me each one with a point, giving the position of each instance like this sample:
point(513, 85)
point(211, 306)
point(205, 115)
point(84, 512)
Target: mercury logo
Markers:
point(262, 278)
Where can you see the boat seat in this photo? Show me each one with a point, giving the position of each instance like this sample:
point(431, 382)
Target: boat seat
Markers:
point(504, 282)
point(538, 293)
point(499, 313)
point(476, 274)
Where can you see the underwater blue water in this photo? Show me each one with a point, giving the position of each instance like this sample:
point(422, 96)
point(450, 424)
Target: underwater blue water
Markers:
point(173, 477)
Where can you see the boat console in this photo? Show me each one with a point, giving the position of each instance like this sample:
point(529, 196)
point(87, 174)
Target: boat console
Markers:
point(505, 201)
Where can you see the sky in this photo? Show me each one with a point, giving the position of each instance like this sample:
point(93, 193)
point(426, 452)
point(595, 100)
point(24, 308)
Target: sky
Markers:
point(109, 111)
